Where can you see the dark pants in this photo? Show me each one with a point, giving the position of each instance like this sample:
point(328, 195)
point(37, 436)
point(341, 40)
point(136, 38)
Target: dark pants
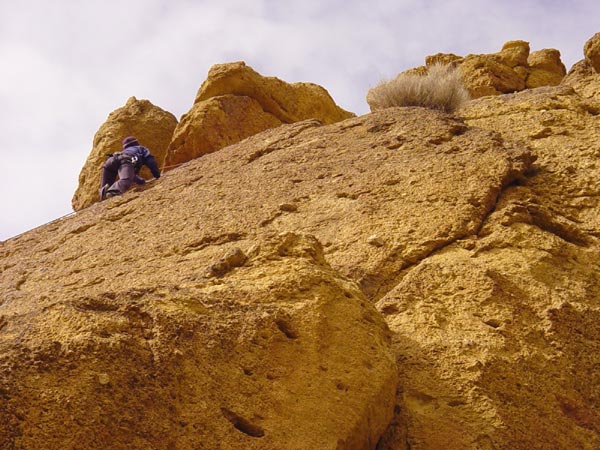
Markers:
point(121, 167)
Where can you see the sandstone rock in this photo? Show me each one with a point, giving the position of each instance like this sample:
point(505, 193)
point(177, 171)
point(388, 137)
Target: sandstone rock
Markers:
point(283, 353)
point(288, 102)
point(591, 50)
point(216, 123)
point(514, 53)
point(485, 328)
point(236, 102)
point(488, 279)
point(545, 69)
point(150, 124)
point(584, 79)
point(489, 353)
point(192, 358)
point(443, 58)
point(567, 148)
point(512, 69)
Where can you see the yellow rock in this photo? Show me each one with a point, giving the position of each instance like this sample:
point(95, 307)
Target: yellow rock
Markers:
point(150, 124)
point(591, 51)
point(545, 69)
point(514, 53)
point(443, 58)
point(216, 123)
point(486, 76)
point(512, 69)
point(238, 311)
point(288, 102)
point(236, 102)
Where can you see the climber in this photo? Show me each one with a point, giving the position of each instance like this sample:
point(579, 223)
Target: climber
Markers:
point(126, 165)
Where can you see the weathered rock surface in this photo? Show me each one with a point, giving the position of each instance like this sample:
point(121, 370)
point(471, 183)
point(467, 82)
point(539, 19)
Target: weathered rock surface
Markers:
point(497, 334)
point(150, 124)
point(167, 330)
point(289, 102)
point(545, 69)
point(216, 123)
point(236, 102)
point(278, 353)
point(228, 305)
point(591, 50)
point(512, 69)
point(586, 81)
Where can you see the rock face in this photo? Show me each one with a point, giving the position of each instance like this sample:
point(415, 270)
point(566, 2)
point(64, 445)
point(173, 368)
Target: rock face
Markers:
point(150, 124)
point(497, 334)
point(236, 102)
point(512, 69)
point(401, 280)
point(216, 123)
point(204, 324)
point(258, 358)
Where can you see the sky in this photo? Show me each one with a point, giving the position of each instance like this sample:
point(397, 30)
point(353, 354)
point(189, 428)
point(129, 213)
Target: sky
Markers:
point(66, 64)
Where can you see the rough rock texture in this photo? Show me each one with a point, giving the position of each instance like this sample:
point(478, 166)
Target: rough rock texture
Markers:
point(512, 69)
point(277, 353)
point(216, 123)
point(585, 80)
point(202, 324)
point(150, 124)
point(237, 312)
point(289, 102)
point(497, 335)
point(545, 69)
point(591, 50)
point(236, 102)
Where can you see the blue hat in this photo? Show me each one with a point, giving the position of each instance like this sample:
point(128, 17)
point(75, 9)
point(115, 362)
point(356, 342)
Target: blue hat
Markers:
point(129, 141)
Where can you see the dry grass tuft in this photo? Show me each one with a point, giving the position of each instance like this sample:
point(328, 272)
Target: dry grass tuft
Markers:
point(440, 88)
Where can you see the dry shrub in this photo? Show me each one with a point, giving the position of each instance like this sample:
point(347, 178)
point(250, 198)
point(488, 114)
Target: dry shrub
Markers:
point(440, 88)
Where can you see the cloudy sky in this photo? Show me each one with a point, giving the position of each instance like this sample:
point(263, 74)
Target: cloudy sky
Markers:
point(66, 64)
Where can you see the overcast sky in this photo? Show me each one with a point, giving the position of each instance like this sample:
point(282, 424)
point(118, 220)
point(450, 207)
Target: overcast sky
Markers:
point(66, 64)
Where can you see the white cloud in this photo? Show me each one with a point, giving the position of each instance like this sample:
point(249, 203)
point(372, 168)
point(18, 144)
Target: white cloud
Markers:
point(67, 64)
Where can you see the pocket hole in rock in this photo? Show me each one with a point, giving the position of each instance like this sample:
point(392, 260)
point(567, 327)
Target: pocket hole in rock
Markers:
point(242, 424)
point(285, 328)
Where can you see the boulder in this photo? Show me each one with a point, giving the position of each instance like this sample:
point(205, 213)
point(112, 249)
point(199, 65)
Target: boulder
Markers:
point(584, 77)
point(236, 102)
point(443, 59)
point(512, 69)
point(545, 69)
point(152, 126)
point(514, 54)
point(216, 123)
point(288, 102)
point(487, 76)
point(591, 50)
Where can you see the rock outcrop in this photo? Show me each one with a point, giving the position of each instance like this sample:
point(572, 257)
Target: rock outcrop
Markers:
point(512, 69)
point(584, 77)
point(236, 102)
point(406, 279)
point(199, 324)
point(150, 124)
point(497, 335)
point(591, 50)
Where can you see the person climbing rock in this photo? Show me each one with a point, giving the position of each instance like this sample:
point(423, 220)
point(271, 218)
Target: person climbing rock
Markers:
point(126, 165)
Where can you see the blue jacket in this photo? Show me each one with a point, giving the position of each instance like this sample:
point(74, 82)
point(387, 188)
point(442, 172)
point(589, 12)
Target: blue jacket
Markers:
point(143, 156)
